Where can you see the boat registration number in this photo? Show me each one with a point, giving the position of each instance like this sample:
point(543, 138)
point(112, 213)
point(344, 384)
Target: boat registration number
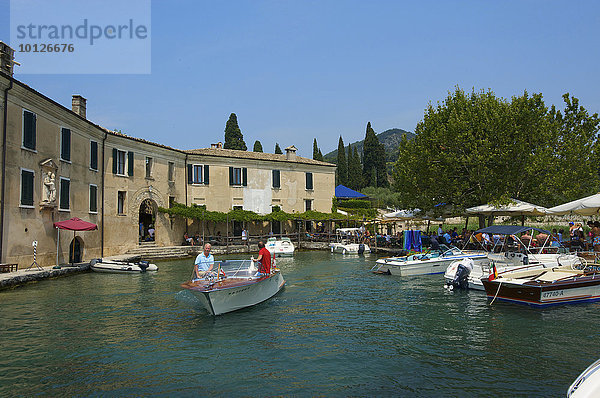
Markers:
point(554, 293)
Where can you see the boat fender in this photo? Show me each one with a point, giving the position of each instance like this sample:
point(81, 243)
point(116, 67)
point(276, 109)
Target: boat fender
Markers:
point(361, 248)
point(525, 260)
point(143, 265)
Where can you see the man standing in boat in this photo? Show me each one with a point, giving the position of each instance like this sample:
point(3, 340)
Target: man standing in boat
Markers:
point(204, 262)
point(264, 259)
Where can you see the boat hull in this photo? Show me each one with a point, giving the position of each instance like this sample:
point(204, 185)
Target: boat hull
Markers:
point(418, 267)
point(349, 248)
point(574, 290)
point(121, 268)
point(221, 300)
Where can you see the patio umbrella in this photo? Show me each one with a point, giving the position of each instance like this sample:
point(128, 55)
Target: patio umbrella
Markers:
point(516, 208)
point(74, 224)
point(587, 206)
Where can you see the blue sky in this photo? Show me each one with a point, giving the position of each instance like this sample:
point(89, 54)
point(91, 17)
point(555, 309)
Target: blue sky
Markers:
point(297, 70)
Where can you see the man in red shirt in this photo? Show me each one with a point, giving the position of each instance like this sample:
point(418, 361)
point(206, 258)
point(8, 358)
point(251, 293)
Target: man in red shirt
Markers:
point(264, 259)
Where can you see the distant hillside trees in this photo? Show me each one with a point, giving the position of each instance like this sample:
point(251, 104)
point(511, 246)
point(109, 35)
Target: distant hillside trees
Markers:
point(257, 146)
point(233, 135)
point(475, 148)
point(342, 165)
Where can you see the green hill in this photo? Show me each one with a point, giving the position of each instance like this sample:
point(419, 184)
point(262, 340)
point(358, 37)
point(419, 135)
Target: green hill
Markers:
point(389, 138)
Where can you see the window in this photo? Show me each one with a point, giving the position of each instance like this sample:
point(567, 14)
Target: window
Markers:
point(171, 201)
point(198, 174)
point(238, 207)
point(93, 198)
point(29, 127)
point(94, 155)
point(309, 181)
point(171, 173)
point(65, 187)
point(148, 167)
point(119, 162)
point(307, 204)
point(238, 176)
point(65, 144)
point(26, 188)
point(276, 179)
point(121, 202)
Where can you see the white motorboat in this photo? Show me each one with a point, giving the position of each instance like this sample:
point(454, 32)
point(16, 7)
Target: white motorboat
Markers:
point(587, 385)
point(122, 267)
point(467, 273)
point(282, 247)
point(348, 242)
point(234, 286)
point(432, 262)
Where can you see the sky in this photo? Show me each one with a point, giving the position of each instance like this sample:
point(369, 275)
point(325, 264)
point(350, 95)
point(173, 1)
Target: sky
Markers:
point(297, 70)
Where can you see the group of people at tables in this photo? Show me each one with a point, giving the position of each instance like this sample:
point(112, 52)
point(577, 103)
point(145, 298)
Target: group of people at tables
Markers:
point(577, 239)
point(204, 265)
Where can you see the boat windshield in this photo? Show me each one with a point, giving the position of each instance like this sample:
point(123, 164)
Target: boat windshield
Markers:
point(236, 268)
point(452, 251)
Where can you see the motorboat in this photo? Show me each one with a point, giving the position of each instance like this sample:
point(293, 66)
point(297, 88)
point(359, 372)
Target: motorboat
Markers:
point(281, 247)
point(587, 384)
point(431, 262)
point(545, 287)
point(467, 273)
point(348, 241)
point(234, 286)
point(122, 267)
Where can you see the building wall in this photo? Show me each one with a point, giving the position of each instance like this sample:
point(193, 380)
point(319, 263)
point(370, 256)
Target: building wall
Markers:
point(118, 233)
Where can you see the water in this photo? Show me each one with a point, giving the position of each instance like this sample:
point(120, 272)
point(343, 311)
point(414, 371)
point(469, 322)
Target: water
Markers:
point(335, 330)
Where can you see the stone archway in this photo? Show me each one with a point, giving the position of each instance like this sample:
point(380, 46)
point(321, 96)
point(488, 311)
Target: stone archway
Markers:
point(76, 250)
point(147, 221)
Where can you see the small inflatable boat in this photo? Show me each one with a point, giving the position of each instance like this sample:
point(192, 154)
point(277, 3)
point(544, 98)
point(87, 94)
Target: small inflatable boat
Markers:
point(122, 267)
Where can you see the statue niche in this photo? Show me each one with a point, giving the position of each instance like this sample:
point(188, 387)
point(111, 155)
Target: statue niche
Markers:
point(49, 169)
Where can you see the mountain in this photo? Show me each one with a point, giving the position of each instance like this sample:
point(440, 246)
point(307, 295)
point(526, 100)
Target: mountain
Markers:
point(389, 138)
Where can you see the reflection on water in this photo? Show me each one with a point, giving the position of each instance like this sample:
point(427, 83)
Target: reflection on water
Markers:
point(336, 329)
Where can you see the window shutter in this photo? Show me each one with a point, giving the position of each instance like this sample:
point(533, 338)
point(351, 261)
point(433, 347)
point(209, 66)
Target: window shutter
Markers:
point(29, 119)
point(231, 176)
point(276, 179)
point(130, 163)
point(26, 188)
point(93, 198)
point(64, 194)
point(114, 160)
point(206, 174)
point(309, 181)
point(66, 144)
point(190, 174)
point(93, 155)
point(33, 130)
point(245, 177)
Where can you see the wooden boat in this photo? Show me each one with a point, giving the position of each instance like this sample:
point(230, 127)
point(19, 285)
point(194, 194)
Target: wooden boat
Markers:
point(234, 286)
point(544, 287)
point(122, 267)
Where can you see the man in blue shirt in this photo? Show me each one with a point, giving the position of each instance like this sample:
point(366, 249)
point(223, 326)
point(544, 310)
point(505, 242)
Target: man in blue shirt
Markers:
point(447, 238)
point(204, 262)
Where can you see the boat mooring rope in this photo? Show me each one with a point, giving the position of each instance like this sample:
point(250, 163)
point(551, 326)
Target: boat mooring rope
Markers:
point(496, 295)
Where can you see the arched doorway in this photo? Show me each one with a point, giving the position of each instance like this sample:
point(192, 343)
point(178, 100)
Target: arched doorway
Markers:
point(147, 221)
point(76, 250)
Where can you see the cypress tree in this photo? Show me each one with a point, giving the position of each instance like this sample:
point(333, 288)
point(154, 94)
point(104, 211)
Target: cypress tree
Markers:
point(257, 146)
point(317, 155)
point(354, 169)
point(233, 135)
point(342, 165)
point(374, 167)
point(277, 149)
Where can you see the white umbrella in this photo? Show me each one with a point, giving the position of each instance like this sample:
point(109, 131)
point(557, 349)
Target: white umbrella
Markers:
point(517, 208)
point(587, 206)
point(403, 214)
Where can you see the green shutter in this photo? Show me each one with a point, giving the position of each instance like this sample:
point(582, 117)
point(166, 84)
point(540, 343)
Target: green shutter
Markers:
point(93, 155)
point(130, 163)
point(190, 173)
point(93, 198)
point(115, 153)
point(276, 179)
point(64, 194)
point(245, 177)
point(29, 124)
point(206, 174)
point(65, 152)
point(231, 176)
point(26, 188)
point(309, 181)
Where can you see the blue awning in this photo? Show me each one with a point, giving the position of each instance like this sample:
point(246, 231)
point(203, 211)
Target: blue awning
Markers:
point(342, 192)
point(508, 229)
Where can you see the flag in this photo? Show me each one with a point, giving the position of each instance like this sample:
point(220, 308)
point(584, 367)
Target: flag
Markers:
point(494, 273)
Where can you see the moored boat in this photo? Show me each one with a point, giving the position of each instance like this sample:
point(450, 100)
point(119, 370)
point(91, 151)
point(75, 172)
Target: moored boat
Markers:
point(236, 285)
point(348, 242)
point(122, 267)
point(281, 247)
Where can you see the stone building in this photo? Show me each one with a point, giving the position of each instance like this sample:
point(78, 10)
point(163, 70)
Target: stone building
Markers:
point(56, 165)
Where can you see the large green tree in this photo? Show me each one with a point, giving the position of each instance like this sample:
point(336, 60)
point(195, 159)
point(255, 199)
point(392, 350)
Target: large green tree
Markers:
point(342, 164)
point(374, 167)
point(355, 179)
point(317, 155)
point(257, 146)
point(233, 135)
point(476, 148)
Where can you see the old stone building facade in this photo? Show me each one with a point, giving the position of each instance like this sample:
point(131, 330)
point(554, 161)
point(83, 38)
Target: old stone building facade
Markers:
point(56, 165)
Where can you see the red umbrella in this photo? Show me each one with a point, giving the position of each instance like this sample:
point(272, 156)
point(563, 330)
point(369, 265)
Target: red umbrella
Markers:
point(74, 224)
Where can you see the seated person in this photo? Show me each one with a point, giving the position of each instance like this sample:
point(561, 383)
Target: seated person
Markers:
point(204, 262)
point(188, 240)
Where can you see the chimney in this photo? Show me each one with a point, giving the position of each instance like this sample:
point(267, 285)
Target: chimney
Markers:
point(218, 145)
point(290, 153)
point(7, 58)
point(78, 105)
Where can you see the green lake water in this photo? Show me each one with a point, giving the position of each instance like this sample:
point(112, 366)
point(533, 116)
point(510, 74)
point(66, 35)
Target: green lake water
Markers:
point(335, 330)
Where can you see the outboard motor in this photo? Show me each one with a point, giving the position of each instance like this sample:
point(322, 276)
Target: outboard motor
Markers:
point(143, 265)
point(461, 277)
point(361, 248)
